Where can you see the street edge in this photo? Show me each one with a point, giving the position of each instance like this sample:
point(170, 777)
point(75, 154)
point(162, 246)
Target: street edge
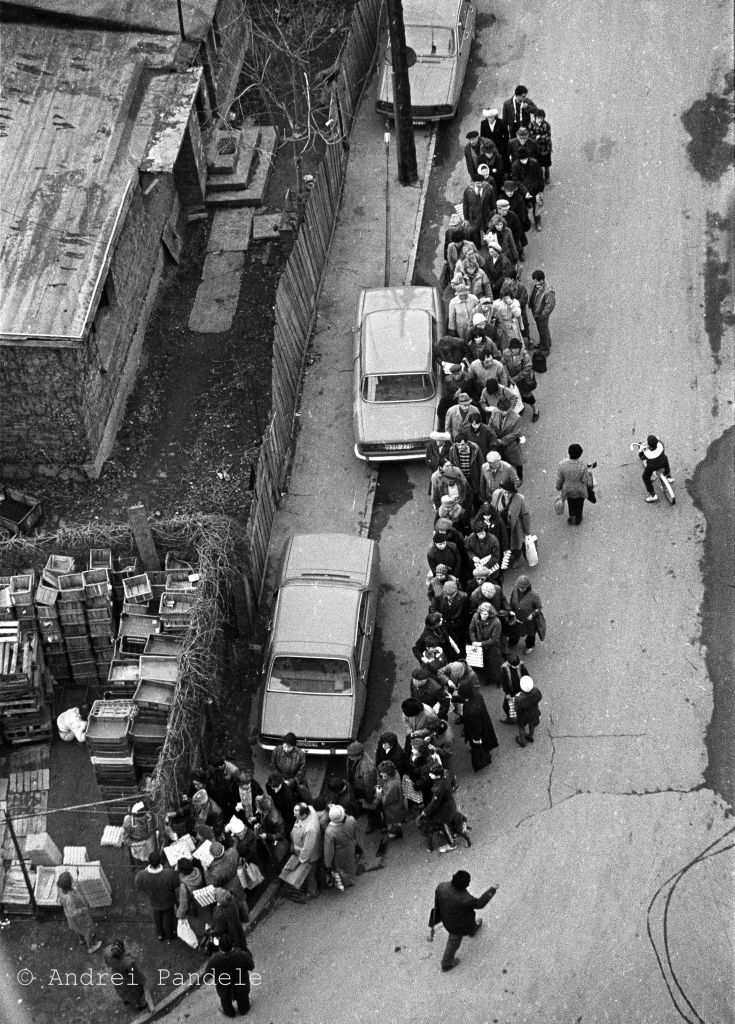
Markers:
point(422, 202)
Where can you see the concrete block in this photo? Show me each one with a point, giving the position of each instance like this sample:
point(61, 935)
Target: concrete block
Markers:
point(231, 230)
point(266, 225)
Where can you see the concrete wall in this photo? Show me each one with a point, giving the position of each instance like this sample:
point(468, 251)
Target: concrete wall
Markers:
point(222, 53)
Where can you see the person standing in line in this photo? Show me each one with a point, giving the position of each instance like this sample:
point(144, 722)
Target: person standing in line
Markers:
point(517, 110)
point(288, 759)
point(530, 178)
point(525, 605)
point(572, 480)
point(540, 132)
point(76, 912)
point(340, 846)
point(229, 968)
point(528, 715)
point(161, 888)
point(541, 303)
point(454, 907)
point(494, 127)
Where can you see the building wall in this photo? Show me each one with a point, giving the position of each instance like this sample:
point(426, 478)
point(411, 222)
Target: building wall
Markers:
point(222, 53)
point(55, 403)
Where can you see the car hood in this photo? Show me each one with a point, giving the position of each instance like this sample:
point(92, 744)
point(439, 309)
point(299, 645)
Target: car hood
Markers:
point(430, 81)
point(385, 421)
point(312, 716)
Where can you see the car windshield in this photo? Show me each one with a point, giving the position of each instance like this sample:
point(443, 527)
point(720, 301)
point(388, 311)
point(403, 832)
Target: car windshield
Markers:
point(429, 41)
point(397, 387)
point(310, 675)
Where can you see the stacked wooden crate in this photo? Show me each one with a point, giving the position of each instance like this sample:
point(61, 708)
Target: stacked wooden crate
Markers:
point(100, 611)
point(153, 700)
point(110, 750)
point(25, 693)
point(47, 613)
point(71, 604)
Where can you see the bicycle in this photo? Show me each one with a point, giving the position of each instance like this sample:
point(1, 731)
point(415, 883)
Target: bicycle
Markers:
point(656, 476)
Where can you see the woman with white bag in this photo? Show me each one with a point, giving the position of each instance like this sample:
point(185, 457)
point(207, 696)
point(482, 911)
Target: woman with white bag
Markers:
point(486, 634)
point(514, 519)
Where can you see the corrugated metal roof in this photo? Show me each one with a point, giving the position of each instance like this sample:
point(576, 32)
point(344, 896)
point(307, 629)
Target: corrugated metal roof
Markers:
point(78, 112)
point(156, 16)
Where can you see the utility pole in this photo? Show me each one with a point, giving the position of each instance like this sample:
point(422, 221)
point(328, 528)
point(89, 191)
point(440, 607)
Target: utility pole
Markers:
point(405, 146)
point(386, 275)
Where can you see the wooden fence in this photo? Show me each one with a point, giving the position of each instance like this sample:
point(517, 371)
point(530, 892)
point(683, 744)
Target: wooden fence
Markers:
point(299, 286)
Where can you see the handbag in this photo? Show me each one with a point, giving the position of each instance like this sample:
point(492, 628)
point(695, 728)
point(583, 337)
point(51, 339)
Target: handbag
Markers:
point(591, 496)
point(519, 401)
point(540, 624)
point(186, 933)
point(559, 503)
point(530, 550)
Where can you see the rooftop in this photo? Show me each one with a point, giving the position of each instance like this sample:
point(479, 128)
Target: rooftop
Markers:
point(82, 111)
point(159, 17)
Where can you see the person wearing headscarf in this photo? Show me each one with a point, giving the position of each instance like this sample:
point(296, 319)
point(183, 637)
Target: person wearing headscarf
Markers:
point(453, 607)
point(340, 845)
point(506, 423)
point(139, 833)
point(191, 878)
point(222, 872)
point(528, 715)
point(517, 362)
point(76, 912)
point(133, 990)
point(306, 854)
point(478, 729)
point(391, 799)
point(389, 749)
point(443, 552)
point(461, 308)
point(270, 830)
point(524, 603)
point(434, 634)
point(486, 633)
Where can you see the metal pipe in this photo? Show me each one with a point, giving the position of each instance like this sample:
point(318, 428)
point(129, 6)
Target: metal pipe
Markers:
point(386, 275)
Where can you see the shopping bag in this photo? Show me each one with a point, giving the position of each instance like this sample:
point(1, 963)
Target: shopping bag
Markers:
point(559, 503)
point(186, 933)
point(518, 407)
point(530, 550)
point(475, 657)
point(540, 624)
point(250, 875)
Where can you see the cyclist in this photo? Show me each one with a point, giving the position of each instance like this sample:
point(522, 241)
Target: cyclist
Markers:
point(655, 458)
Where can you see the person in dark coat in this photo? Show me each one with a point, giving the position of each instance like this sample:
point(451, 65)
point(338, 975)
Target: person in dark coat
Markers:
point(492, 165)
point(524, 603)
point(222, 780)
point(478, 729)
point(494, 127)
point(530, 178)
point(443, 552)
point(513, 671)
point(523, 138)
point(160, 886)
point(389, 749)
point(134, 990)
point(477, 432)
point(283, 799)
point(497, 267)
point(440, 812)
point(466, 455)
point(514, 224)
point(572, 480)
point(472, 156)
point(434, 634)
point(226, 918)
point(340, 792)
point(528, 715)
point(453, 607)
point(511, 194)
point(478, 204)
point(229, 968)
point(517, 110)
point(429, 691)
point(456, 232)
point(455, 907)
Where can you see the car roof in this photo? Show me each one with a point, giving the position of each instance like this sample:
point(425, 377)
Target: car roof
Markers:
point(383, 352)
point(336, 555)
point(412, 296)
point(429, 12)
point(316, 617)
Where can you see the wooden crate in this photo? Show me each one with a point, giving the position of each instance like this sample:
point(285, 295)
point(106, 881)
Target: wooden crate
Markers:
point(176, 608)
point(100, 558)
point(137, 589)
point(97, 583)
point(71, 588)
point(21, 590)
point(19, 512)
point(57, 565)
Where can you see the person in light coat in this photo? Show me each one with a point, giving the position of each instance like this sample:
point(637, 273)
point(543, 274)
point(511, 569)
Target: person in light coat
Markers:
point(507, 426)
point(572, 480)
point(340, 845)
point(461, 308)
point(496, 473)
point(306, 853)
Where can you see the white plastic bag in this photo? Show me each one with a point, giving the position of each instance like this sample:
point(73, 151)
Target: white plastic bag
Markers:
point(474, 654)
point(531, 552)
point(186, 933)
point(518, 407)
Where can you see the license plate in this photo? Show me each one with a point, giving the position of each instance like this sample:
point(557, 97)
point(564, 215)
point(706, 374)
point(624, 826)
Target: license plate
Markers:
point(398, 447)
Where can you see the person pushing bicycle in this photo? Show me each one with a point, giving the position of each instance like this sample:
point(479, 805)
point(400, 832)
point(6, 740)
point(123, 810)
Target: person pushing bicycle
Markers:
point(656, 460)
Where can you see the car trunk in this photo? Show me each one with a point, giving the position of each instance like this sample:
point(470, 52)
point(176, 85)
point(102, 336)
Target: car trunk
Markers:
point(384, 421)
point(311, 716)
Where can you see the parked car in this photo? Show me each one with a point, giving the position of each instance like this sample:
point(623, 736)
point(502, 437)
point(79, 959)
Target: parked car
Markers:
point(439, 39)
point(396, 383)
point(320, 639)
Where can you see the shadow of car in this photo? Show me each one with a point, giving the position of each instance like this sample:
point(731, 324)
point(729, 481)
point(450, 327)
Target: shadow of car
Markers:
point(438, 41)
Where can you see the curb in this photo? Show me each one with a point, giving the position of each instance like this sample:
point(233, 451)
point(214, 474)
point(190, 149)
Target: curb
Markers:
point(261, 908)
point(422, 203)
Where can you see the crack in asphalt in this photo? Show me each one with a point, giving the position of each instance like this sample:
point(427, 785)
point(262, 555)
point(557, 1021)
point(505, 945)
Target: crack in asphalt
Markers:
point(593, 735)
point(602, 792)
point(551, 766)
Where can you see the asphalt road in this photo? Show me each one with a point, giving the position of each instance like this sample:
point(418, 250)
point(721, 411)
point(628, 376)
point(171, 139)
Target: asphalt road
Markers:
point(610, 839)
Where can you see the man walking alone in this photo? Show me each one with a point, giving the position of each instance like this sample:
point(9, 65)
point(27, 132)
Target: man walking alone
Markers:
point(455, 907)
